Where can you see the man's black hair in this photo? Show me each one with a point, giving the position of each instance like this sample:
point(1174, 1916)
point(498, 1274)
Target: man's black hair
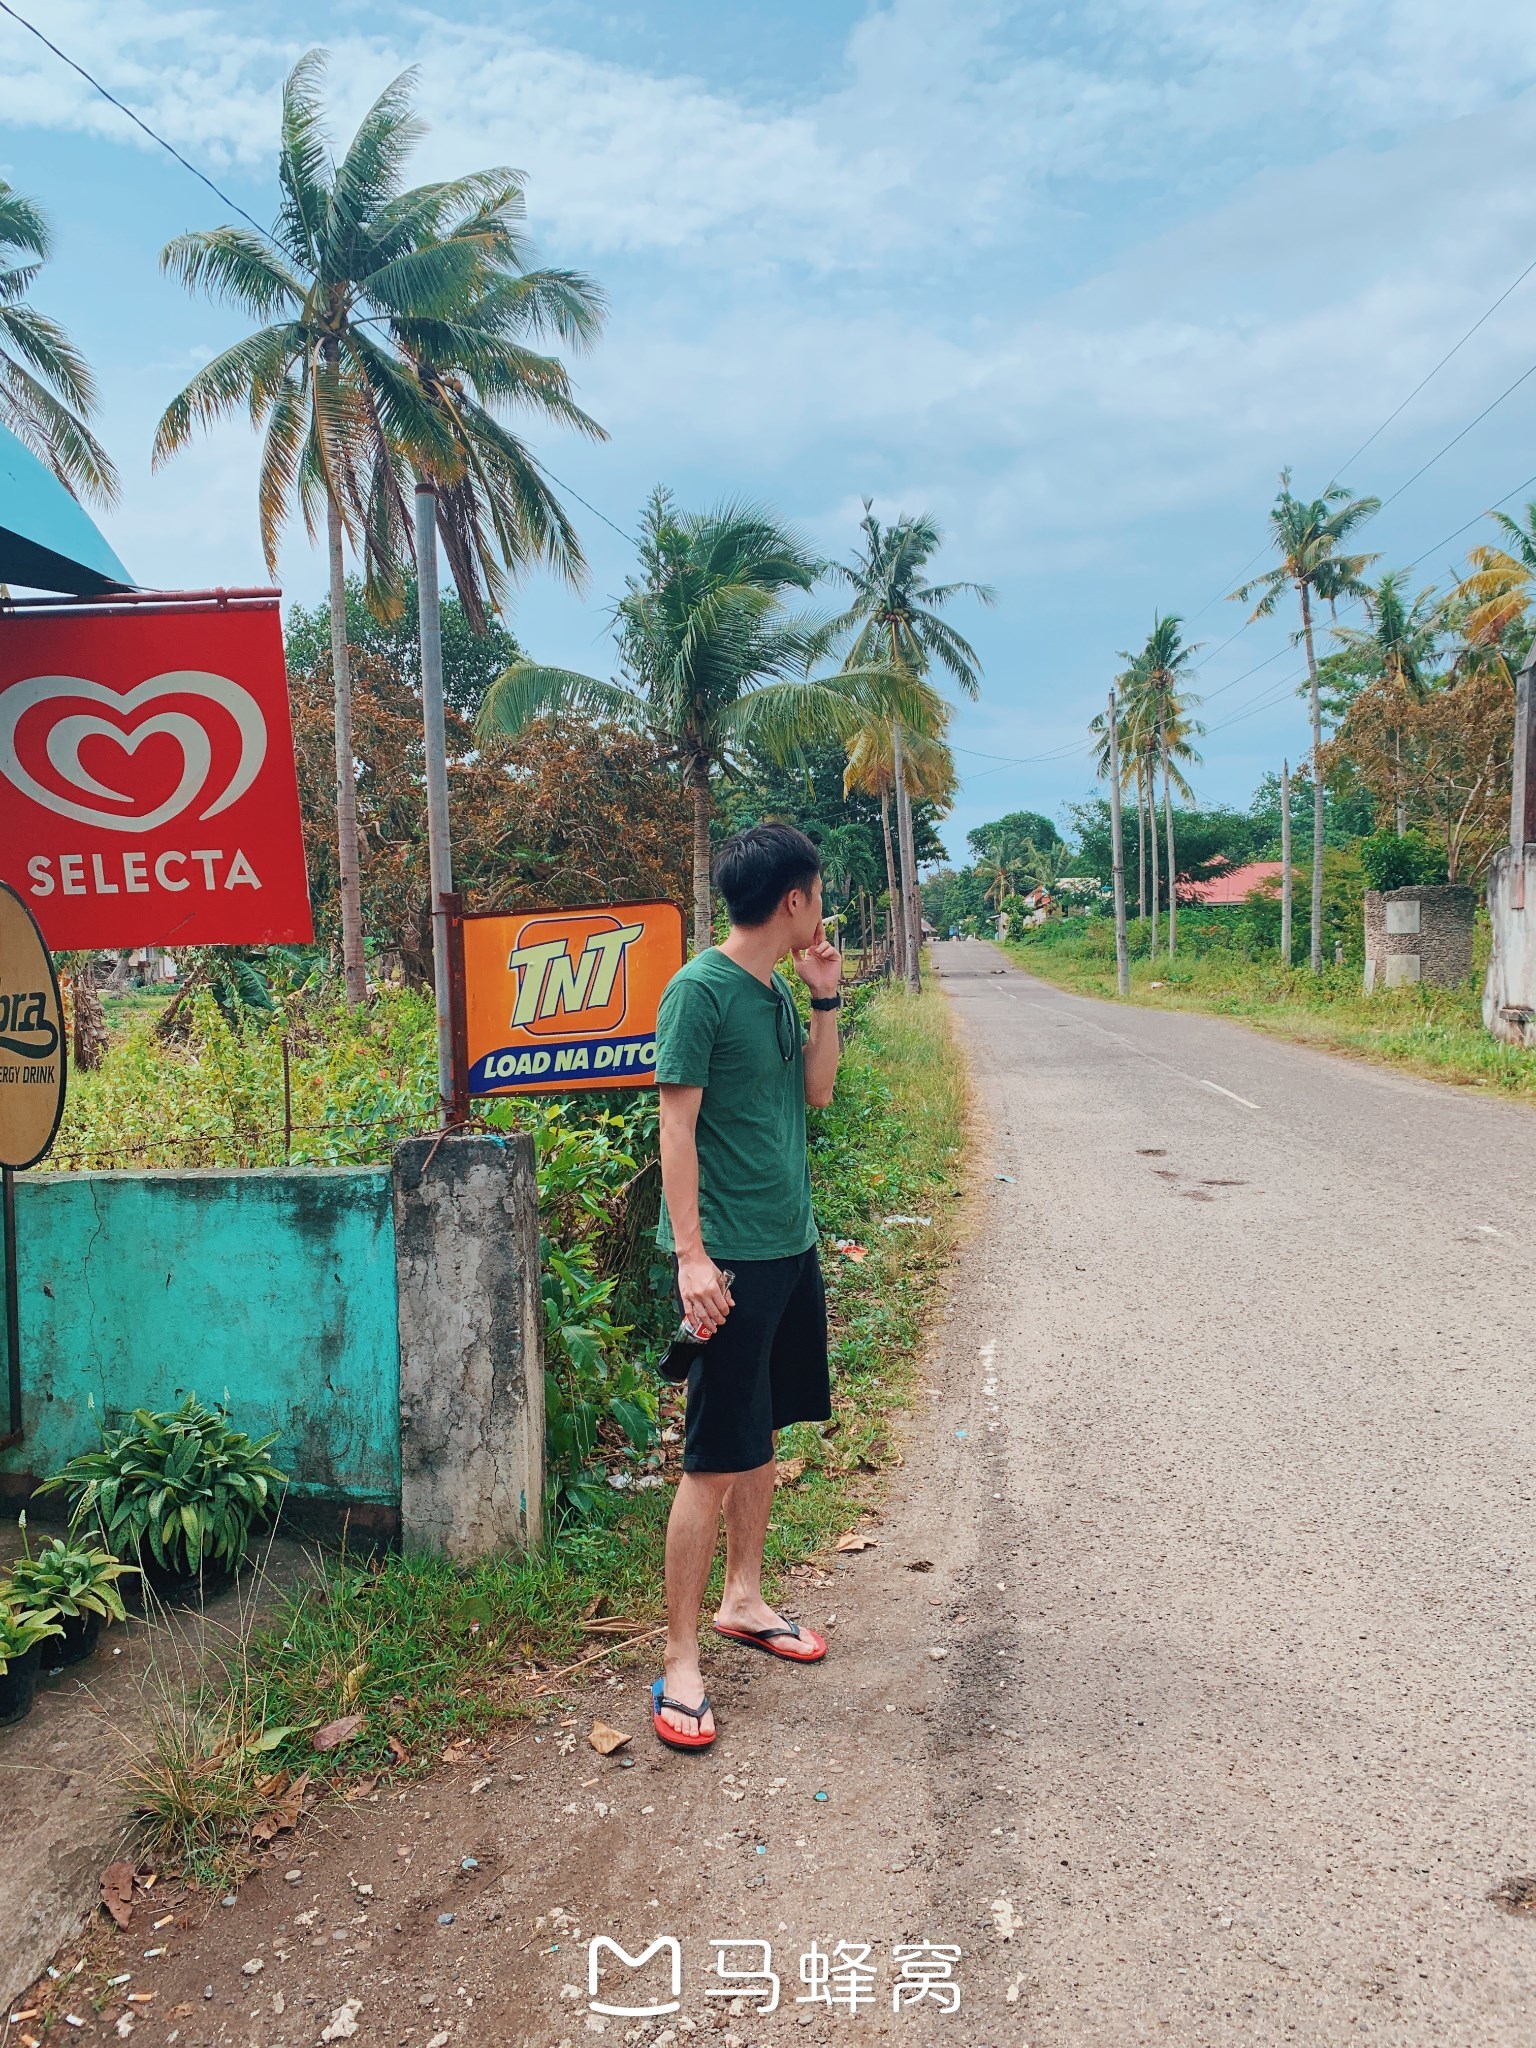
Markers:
point(756, 870)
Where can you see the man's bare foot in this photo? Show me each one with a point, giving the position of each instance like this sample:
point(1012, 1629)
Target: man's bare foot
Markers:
point(749, 1614)
point(685, 1682)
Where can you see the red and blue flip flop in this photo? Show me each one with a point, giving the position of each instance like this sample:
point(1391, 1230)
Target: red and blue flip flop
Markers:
point(674, 1738)
point(767, 1639)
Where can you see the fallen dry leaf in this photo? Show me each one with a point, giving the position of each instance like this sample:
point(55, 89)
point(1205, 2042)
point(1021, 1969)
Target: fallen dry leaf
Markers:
point(117, 1891)
point(335, 1733)
point(179, 2012)
point(606, 1740)
point(789, 1470)
point(365, 1787)
point(609, 1625)
point(398, 1750)
point(854, 1540)
point(284, 1815)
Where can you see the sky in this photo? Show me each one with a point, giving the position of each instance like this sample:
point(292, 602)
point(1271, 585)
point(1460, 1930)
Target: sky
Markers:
point(1075, 280)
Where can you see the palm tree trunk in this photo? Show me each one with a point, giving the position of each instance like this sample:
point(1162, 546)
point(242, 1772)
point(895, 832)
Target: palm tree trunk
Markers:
point(703, 918)
point(1173, 871)
point(1141, 851)
point(912, 933)
point(1317, 781)
point(349, 884)
point(1152, 850)
point(1401, 818)
point(893, 890)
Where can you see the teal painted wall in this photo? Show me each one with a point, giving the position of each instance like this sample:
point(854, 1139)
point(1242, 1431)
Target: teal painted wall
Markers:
point(271, 1290)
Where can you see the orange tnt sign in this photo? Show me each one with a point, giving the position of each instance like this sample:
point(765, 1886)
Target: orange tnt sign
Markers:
point(557, 999)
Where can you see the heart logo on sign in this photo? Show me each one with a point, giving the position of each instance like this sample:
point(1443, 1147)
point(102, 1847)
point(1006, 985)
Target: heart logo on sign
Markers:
point(70, 728)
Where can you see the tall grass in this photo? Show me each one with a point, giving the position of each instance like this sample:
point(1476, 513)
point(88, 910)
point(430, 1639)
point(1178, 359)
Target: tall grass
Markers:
point(426, 1651)
point(1436, 1032)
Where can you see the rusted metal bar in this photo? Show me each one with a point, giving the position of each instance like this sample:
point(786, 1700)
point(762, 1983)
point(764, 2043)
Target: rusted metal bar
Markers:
point(256, 597)
point(458, 1110)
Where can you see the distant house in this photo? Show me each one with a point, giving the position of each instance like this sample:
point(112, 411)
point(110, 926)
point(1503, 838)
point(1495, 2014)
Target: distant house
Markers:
point(1229, 885)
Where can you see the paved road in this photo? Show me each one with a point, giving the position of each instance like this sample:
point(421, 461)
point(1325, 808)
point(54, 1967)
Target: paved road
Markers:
point(1222, 1500)
point(1260, 1325)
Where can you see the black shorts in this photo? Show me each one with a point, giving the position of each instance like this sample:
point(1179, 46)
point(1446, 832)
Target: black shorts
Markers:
point(764, 1368)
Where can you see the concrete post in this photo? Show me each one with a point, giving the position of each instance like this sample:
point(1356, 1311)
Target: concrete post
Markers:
point(471, 1351)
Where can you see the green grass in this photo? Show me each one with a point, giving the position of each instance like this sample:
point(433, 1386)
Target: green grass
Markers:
point(1435, 1032)
point(427, 1652)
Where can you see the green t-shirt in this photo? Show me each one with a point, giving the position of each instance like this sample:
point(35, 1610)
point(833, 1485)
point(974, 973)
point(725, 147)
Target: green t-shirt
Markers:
point(723, 1030)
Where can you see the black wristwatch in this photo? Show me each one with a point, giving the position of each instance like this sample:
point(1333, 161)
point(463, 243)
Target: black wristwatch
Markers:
point(826, 1002)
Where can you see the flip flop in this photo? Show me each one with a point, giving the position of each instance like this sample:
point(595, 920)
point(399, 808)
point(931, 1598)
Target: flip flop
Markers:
point(764, 1639)
point(674, 1737)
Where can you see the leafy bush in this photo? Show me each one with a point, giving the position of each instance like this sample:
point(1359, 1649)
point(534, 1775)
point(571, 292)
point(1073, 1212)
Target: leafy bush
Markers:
point(181, 1486)
point(1406, 860)
point(72, 1580)
point(22, 1629)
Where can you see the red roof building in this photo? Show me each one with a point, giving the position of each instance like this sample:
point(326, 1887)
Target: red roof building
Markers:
point(1232, 885)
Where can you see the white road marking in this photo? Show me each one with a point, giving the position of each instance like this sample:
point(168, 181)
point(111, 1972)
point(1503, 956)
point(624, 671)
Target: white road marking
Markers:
point(1228, 1092)
point(1130, 1045)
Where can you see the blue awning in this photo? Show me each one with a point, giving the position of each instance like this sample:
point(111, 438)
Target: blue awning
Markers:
point(48, 541)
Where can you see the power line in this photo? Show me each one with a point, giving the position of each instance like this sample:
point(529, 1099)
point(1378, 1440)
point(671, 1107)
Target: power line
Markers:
point(234, 205)
point(1402, 406)
point(619, 530)
point(97, 86)
point(1413, 394)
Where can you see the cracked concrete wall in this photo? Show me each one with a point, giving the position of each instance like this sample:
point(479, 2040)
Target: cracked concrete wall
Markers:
point(1509, 995)
point(471, 1348)
point(273, 1290)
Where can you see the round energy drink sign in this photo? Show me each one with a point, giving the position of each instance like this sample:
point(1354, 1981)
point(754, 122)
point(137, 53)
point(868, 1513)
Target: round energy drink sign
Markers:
point(31, 1038)
point(557, 999)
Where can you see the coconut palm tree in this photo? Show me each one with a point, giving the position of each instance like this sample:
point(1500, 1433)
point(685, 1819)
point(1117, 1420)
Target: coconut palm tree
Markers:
point(362, 283)
point(1160, 680)
point(496, 511)
point(1137, 733)
point(927, 770)
point(1309, 536)
point(714, 661)
point(47, 392)
point(895, 618)
point(1398, 649)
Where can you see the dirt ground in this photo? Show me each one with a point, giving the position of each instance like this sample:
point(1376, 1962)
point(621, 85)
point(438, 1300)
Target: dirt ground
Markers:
point(1183, 1690)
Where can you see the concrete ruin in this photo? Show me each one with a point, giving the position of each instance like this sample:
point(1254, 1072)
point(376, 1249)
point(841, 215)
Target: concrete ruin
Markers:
point(1421, 934)
point(1509, 994)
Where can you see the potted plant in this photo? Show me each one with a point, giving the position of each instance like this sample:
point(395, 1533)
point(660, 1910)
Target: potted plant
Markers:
point(178, 1494)
point(76, 1582)
point(23, 1631)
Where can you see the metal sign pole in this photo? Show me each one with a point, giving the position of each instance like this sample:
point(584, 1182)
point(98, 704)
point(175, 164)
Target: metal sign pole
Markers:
point(12, 1314)
point(439, 845)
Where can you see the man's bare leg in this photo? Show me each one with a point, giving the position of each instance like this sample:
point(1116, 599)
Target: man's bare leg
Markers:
point(748, 1504)
point(692, 1529)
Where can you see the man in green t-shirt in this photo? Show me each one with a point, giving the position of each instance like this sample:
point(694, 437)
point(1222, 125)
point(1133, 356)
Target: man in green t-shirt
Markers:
point(736, 1070)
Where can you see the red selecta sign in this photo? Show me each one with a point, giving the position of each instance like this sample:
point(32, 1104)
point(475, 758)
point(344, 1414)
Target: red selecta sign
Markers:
point(147, 786)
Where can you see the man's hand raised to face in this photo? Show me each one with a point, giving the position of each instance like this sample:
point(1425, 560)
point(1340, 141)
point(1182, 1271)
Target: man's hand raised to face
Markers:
point(819, 965)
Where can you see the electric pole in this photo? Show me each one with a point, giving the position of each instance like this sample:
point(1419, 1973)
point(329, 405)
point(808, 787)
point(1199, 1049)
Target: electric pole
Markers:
point(1122, 958)
point(1285, 862)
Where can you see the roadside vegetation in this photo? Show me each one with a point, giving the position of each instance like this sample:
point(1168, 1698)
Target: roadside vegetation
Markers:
point(424, 1653)
point(1437, 1032)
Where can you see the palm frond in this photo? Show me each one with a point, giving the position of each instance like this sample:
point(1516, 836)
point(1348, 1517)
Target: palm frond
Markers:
point(528, 690)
